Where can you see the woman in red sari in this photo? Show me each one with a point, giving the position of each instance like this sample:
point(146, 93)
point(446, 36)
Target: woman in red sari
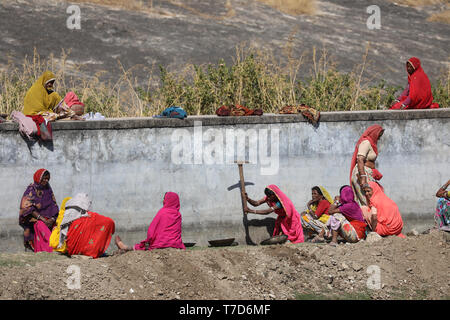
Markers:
point(362, 167)
point(417, 94)
point(89, 233)
point(288, 221)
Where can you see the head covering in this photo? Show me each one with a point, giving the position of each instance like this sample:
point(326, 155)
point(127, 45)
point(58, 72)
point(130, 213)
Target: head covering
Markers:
point(288, 219)
point(388, 215)
point(165, 229)
point(371, 134)
point(37, 177)
point(349, 208)
point(325, 194)
point(74, 208)
point(419, 86)
point(38, 99)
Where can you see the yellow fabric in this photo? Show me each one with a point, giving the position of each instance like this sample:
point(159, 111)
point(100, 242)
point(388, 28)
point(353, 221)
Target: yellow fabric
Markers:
point(324, 218)
point(54, 238)
point(37, 98)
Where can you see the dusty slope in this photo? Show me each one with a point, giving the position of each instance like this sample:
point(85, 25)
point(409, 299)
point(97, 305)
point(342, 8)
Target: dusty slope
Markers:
point(173, 36)
point(414, 268)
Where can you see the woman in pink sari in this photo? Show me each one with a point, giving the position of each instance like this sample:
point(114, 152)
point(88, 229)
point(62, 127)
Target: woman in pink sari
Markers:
point(382, 215)
point(288, 221)
point(164, 230)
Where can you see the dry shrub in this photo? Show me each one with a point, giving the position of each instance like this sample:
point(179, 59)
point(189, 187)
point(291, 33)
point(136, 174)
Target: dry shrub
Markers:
point(443, 16)
point(293, 7)
point(418, 3)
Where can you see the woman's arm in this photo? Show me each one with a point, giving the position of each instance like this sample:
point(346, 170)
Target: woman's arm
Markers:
point(255, 203)
point(442, 190)
point(362, 176)
point(263, 212)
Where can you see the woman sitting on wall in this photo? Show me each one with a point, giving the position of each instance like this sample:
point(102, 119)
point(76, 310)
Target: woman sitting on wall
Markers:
point(382, 214)
point(346, 217)
point(442, 216)
point(38, 212)
point(315, 218)
point(417, 94)
point(80, 231)
point(43, 102)
point(164, 230)
point(362, 168)
point(288, 221)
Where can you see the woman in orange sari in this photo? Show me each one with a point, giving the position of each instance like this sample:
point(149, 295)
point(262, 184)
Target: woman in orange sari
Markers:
point(382, 214)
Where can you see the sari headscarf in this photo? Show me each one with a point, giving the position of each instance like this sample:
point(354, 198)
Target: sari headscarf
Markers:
point(165, 229)
point(419, 86)
point(38, 99)
point(288, 219)
point(37, 177)
point(349, 208)
point(371, 134)
point(388, 215)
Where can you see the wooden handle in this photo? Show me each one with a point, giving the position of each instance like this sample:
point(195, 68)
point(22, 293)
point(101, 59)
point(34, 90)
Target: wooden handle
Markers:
point(241, 178)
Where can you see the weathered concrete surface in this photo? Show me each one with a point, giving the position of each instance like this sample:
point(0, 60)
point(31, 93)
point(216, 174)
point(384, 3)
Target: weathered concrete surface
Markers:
point(127, 165)
point(173, 36)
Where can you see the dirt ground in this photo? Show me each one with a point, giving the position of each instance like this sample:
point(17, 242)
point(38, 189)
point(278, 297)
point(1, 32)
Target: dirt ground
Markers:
point(413, 268)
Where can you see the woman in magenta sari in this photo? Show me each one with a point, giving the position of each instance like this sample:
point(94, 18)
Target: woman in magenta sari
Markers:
point(288, 221)
point(164, 230)
point(38, 212)
point(417, 94)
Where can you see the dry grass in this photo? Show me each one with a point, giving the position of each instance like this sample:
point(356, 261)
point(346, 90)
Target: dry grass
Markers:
point(443, 16)
point(418, 3)
point(293, 7)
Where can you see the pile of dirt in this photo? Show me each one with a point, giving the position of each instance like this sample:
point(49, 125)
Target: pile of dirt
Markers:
point(411, 268)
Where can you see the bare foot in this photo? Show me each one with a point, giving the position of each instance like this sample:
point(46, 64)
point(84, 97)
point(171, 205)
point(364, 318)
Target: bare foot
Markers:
point(120, 244)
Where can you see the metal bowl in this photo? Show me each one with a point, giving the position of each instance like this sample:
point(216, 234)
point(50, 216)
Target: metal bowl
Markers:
point(189, 244)
point(275, 240)
point(221, 242)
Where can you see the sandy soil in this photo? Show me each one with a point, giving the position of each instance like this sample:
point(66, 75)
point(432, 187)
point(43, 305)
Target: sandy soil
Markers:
point(413, 268)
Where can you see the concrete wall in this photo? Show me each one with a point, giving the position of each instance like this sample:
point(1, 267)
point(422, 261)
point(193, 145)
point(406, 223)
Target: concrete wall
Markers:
point(126, 166)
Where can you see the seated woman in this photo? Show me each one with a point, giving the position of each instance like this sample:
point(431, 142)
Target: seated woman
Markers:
point(38, 212)
point(41, 99)
point(315, 218)
point(80, 231)
point(346, 218)
point(442, 216)
point(417, 94)
point(362, 167)
point(288, 220)
point(164, 230)
point(382, 214)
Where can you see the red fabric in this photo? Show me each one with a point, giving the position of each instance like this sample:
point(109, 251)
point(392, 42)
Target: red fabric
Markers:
point(37, 177)
point(371, 134)
point(322, 207)
point(360, 228)
point(165, 229)
point(90, 236)
point(71, 98)
point(38, 119)
point(419, 87)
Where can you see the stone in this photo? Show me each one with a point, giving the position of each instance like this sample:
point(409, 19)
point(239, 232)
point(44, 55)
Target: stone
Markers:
point(356, 266)
point(373, 237)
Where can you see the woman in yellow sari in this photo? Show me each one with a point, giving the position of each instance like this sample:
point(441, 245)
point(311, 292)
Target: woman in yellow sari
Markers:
point(41, 97)
point(314, 219)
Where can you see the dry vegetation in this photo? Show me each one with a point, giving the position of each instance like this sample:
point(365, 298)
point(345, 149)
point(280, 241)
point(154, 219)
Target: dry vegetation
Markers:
point(293, 7)
point(256, 79)
point(441, 16)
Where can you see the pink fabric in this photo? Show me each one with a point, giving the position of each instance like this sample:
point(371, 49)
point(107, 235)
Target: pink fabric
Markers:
point(41, 237)
point(165, 229)
point(71, 98)
point(26, 125)
point(288, 220)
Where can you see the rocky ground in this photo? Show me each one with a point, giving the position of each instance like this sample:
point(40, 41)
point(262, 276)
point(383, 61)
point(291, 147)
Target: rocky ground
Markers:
point(203, 31)
point(413, 268)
